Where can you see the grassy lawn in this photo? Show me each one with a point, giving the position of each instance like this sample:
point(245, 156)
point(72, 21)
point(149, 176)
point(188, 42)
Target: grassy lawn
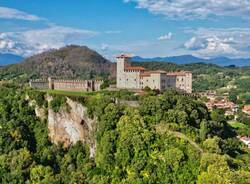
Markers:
point(123, 94)
point(244, 77)
point(236, 124)
point(75, 93)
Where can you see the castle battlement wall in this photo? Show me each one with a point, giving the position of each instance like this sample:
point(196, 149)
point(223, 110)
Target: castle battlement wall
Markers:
point(39, 83)
point(67, 85)
point(39, 80)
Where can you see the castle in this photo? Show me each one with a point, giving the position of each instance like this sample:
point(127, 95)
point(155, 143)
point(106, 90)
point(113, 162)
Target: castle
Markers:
point(128, 77)
point(138, 78)
point(67, 85)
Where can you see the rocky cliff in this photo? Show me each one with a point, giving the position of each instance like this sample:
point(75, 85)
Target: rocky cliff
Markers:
point(71, 124)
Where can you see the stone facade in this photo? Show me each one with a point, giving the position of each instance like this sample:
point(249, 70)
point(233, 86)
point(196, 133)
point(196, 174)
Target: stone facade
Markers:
point(67, 85)
point(39, 84)
point(138, 78)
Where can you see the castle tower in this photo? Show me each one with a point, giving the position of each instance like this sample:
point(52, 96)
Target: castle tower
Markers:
point(51, 85)
point(121, 63)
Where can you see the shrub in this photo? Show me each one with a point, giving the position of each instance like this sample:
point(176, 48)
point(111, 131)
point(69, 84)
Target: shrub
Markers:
point(57, 103)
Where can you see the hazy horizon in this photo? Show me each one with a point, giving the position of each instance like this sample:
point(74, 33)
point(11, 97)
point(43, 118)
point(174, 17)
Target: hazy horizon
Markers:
point(149, 28)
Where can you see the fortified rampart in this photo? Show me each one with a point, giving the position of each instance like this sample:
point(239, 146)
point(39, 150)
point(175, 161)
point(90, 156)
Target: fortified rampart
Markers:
point(39, 83)
point(66, 85)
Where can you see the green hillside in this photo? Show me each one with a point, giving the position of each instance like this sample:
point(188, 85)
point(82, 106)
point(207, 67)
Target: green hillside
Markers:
point(170, 138)
point(67, 62)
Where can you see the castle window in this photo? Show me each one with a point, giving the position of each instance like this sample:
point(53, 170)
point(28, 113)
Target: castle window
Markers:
point(127, 79)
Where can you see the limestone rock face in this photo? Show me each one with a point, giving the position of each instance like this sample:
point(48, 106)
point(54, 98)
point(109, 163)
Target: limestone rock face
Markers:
point(40, 112)
point(70, 126)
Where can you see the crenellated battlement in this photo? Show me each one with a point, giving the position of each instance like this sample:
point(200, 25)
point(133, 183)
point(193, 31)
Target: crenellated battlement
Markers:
point(39, 80)
point(69, 85)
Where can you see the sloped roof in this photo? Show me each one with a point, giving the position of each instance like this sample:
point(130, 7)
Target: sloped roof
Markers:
point(245, 138)
point(135, 68)
point(181, 73)
point(246, 108)
point(123, 56)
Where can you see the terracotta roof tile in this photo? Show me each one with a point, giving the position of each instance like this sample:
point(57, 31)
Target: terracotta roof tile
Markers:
point(145, 74)
point(123, 56)
point(246, 108)
point(159, 71)
point(181, 73)
point(245, 138)
point(135, 68)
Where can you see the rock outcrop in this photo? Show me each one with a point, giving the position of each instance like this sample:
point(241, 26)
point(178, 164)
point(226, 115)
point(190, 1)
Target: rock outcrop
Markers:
point(40, 112)
point(70, 126)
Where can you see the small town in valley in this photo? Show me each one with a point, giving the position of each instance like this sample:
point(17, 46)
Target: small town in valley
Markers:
point(213, 100)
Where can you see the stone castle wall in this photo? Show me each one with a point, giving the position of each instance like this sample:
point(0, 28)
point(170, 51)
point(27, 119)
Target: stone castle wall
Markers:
point(39, 83)
point(67, 85)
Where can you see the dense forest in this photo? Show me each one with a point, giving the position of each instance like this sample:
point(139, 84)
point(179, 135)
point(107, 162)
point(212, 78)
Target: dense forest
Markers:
point(169, 138)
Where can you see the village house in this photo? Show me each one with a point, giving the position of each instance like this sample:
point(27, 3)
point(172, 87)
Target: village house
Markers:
point(220, 102)
point(245, 140)
point(138, 78)
point(230, 108)
point(246, 109)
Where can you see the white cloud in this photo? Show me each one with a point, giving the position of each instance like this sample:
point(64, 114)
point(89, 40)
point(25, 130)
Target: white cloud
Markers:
point(193, 9)
point(165, 37)
point(104, 47)
point(10, 13)
point(234, 42)
point(32, 41)
point(113, 32)
point(36, 41)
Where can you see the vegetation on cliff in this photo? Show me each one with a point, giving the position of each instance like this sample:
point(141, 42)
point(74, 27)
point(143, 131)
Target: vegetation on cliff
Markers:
point(170, 138)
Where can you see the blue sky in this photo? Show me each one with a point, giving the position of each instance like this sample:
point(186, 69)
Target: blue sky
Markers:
point(149, 28)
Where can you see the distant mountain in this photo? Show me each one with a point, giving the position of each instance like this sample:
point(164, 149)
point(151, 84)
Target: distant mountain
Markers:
point(68, 62)
point(186, 59)
point(6, 59)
